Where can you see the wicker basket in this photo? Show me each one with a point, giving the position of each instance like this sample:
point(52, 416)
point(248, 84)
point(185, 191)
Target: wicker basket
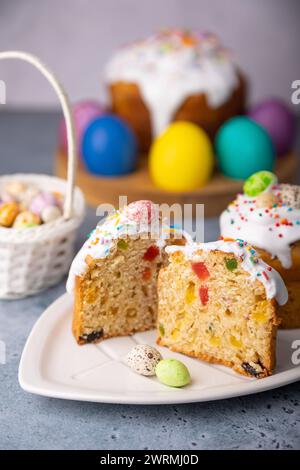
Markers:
point(33, 259)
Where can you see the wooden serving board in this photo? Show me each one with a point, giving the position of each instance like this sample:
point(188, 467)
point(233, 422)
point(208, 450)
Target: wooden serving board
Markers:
point(216, 195)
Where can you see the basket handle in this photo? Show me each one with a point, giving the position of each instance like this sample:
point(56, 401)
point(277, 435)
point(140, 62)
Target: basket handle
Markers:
point(65, 104)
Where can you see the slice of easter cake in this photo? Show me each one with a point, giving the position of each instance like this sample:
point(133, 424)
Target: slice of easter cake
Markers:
point(114, 276)
point(218, 302)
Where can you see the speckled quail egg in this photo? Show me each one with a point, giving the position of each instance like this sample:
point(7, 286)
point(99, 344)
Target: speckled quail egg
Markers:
point(143, 359)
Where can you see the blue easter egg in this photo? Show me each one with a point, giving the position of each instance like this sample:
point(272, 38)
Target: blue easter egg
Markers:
point(109, 147)
point(243, 147)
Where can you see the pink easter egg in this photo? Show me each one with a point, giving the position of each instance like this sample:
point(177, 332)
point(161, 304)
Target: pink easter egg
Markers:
point(83, 113)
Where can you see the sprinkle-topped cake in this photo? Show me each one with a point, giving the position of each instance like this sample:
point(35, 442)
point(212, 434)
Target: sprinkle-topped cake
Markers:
point(174, 75)
point(267, 215)
point(218, 302)
point(114, 275)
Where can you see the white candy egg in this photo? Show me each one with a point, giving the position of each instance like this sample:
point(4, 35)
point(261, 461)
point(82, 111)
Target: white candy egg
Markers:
point(143, 359)
point(50, 213)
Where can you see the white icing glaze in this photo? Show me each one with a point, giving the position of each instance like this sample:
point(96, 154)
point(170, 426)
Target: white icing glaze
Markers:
point(250, 262)
point(272, 229)
point(120, 225)
point(171, 66)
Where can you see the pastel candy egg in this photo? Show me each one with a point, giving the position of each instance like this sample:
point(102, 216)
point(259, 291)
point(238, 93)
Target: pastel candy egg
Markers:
point(109, 147)
point(181, 158)
point(141, 211)
point(83, 113)
point(8, 213)
point(173, 373)
point(243, 147)
point(6, 197)
point(26, 219)
point(42, 200)
point(15, 188)
point(277, 119)
point(26, 197)
point(50, 213)
point(259, 182)
point(143, 359)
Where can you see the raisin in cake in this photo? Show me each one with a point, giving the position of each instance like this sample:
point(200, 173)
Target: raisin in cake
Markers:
point(114, 275)
point(218, 302)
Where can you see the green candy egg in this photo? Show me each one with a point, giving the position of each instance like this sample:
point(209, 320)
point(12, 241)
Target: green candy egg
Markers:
point(173, 373)
point(259, 182)
point(243, 147)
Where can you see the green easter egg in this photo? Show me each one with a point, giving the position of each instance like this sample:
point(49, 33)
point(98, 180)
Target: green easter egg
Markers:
point(259, 182)
point(243, 147)
point(173, 373)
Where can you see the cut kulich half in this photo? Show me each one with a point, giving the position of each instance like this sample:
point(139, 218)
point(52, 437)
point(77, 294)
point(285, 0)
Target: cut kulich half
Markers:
point(114, 276)
point(218, 302)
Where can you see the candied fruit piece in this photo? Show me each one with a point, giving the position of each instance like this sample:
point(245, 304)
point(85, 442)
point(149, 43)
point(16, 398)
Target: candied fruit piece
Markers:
point(122, 245)
point(190, 293)
point(161, 329)
point(261, 314)
point(203, 294)
point(146, 274)
point(151, 253)
point(91, 295)
point(200, 270)
point(235, 342)
point(215, 341)
point(175, 334)
point(231, 264)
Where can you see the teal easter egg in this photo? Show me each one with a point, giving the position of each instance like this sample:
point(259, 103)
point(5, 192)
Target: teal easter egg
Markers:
point(243, 147)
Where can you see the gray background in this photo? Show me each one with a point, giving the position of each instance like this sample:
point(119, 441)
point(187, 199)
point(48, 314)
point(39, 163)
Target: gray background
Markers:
point(76, 37)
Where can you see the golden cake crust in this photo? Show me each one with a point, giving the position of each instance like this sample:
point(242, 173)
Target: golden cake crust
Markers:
point(127, 102)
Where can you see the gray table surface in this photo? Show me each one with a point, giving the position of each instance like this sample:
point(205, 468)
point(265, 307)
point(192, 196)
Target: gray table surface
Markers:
point(270, 420)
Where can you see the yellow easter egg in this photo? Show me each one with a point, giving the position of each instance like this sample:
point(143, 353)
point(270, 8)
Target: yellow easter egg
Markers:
point(181, 159)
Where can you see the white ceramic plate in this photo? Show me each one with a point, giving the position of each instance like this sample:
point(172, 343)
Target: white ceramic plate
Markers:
point(53, 365)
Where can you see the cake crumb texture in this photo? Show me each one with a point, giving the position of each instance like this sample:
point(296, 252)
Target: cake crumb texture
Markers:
point(212, 310)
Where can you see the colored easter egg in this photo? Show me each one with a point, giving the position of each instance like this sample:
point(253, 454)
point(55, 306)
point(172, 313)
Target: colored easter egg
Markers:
point(109, 147)
point(277, 119)
point(83, 113)
point(243, 147)
point(181, 158)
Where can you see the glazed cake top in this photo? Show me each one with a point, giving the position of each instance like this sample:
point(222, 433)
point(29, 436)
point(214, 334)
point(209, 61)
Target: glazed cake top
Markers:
point(171, 66)
point(270, 220)
point(137, 219)
point(250, 262)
